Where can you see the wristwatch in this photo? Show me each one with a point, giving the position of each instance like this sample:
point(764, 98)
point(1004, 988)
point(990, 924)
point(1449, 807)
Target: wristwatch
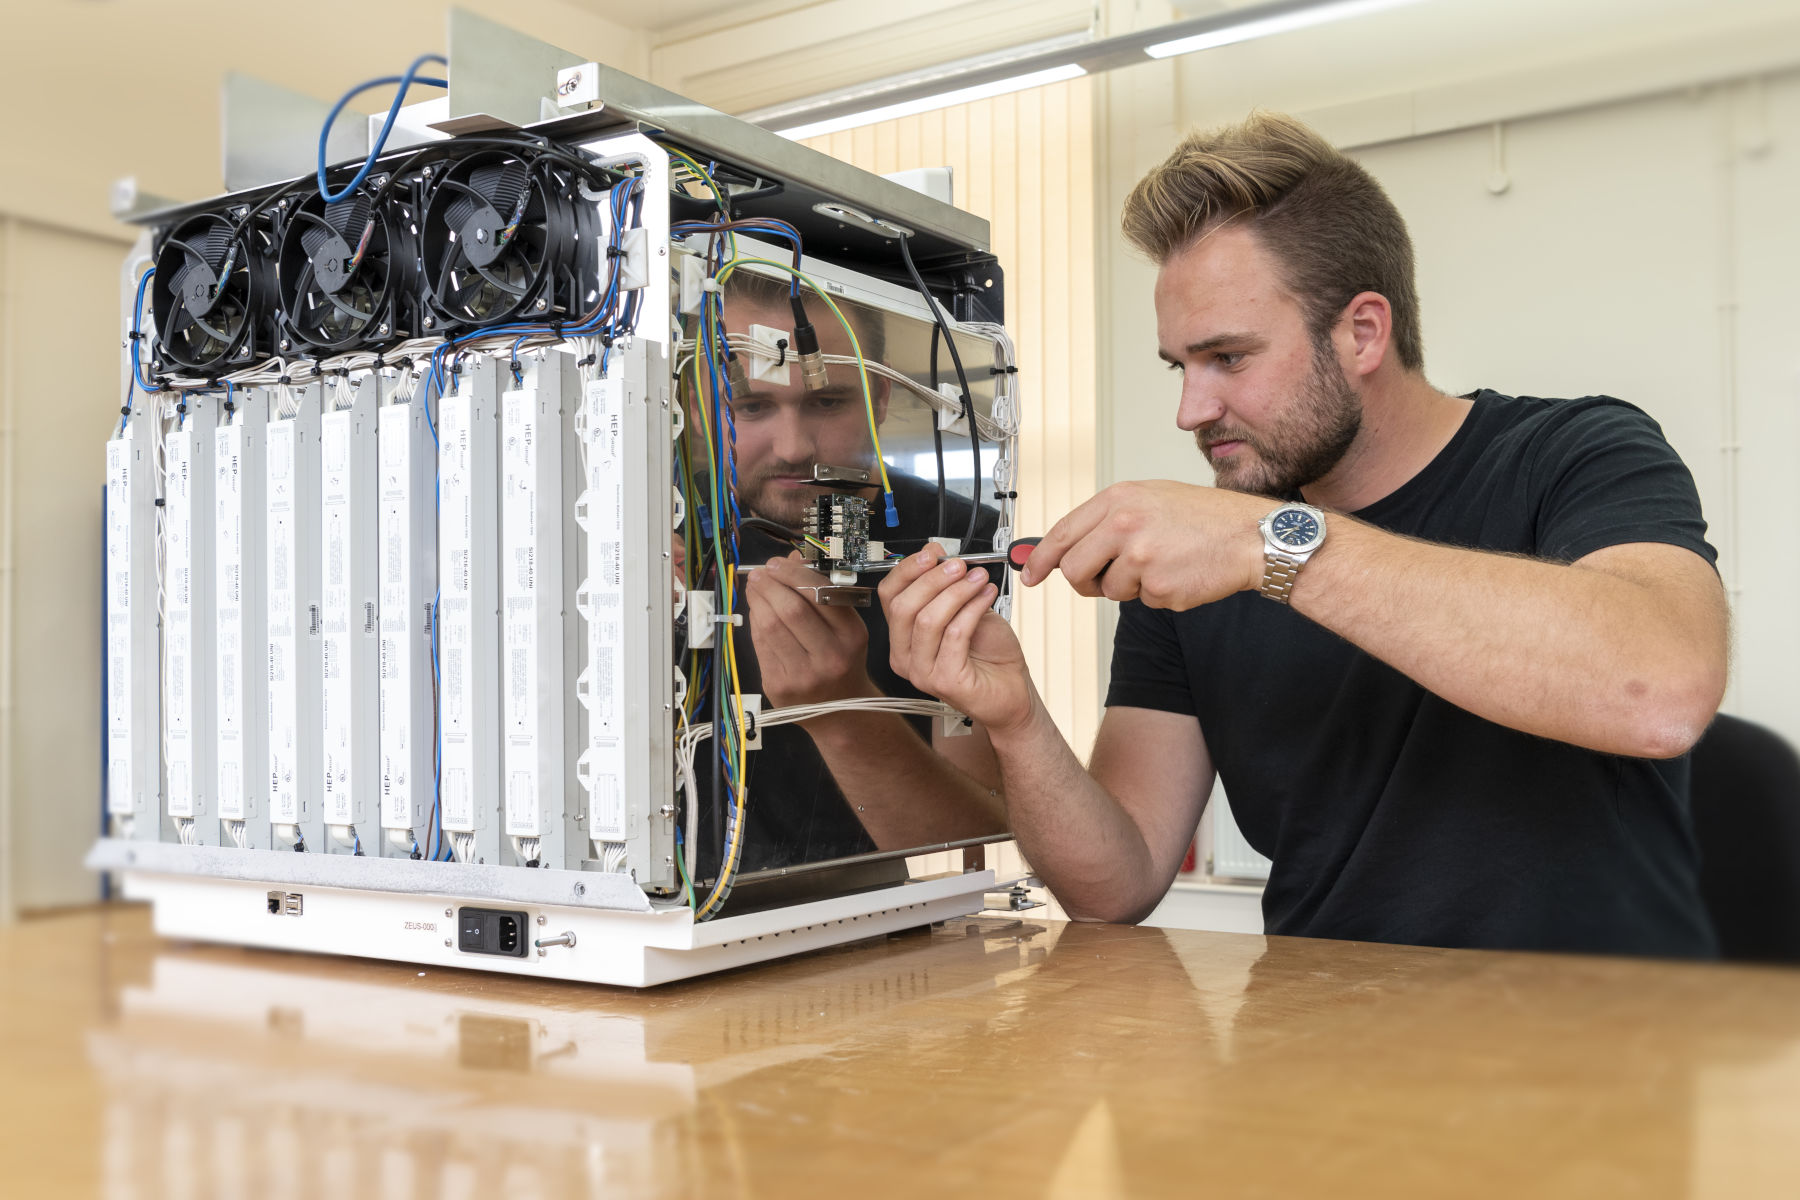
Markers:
point(1291, 535)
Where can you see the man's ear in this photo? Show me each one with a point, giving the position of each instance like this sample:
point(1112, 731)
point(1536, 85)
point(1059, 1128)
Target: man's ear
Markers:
point(1370, 322)
point(880, 390)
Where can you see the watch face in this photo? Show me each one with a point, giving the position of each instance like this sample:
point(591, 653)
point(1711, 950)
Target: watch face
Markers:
point(1295, 528)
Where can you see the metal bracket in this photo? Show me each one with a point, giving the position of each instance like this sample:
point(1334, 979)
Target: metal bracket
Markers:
point(835, 596)
point(1015, 899)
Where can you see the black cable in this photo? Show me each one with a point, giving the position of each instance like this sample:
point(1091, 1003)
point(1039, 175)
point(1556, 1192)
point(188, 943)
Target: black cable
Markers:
point(786, 533)
point(937, 439)
point(962, 381)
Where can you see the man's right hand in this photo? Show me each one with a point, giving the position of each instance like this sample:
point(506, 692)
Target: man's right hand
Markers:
point(946, 639)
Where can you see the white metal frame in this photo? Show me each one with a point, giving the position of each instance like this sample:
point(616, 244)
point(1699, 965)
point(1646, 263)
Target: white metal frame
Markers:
point(633, 949)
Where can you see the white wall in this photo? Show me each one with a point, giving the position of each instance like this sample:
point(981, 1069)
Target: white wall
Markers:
point(1645, 250)
point(93, 91)
point(1643, 247)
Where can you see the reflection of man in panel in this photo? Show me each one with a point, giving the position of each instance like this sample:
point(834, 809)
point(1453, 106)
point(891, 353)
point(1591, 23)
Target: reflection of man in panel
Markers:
point(847, 783)
point(1488, 627)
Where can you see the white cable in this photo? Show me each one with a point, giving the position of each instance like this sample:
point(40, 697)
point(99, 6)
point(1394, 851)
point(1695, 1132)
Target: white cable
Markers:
point(687, 742)
point(992, 428)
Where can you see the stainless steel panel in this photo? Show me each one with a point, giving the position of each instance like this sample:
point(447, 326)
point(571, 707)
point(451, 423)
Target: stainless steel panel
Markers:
point(271, 134)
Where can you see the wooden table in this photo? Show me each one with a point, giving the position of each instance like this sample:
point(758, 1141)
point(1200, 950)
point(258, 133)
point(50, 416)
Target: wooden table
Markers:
point(986, 1057)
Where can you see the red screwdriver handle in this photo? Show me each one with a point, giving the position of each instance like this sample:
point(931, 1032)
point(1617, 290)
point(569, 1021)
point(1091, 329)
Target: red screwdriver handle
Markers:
point(1020, 550)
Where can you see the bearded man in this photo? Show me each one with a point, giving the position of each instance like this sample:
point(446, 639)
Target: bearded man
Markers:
point(1447, 654)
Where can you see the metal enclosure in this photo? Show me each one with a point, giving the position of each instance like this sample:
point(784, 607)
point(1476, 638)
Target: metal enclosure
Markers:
point(420, 638)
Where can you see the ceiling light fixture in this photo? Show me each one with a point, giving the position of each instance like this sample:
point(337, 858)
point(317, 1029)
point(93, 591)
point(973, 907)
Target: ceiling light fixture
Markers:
point(1253, 26)
point(1032, 66)
point(907, 108)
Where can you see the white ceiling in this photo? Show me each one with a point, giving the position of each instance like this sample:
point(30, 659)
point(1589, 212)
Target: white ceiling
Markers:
point(656, 15)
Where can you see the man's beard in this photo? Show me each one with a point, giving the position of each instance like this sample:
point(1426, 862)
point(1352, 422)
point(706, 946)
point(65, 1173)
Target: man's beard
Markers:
point(761, 496)
point(1301, 447)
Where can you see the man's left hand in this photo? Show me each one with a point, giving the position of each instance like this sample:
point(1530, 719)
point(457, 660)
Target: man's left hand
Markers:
point(1171, 545)
point(808, 653)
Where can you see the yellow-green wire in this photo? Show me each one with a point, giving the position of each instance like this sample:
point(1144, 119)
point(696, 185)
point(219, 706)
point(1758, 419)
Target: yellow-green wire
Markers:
point(705, 177)
point(862, 368)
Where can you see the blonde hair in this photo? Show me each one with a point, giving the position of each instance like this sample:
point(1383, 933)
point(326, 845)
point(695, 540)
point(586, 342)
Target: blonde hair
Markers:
point(1323, 217)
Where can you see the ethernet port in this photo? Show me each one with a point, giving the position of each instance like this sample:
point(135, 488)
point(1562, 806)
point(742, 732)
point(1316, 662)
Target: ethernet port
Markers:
point(275, 900)
point(491, 931)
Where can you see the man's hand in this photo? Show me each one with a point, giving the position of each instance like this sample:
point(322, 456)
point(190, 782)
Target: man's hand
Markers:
point(948, 641)
point(1171, 545)
point(808, 653)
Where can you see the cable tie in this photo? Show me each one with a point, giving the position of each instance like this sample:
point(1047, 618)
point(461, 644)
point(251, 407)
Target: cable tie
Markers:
point(1006, 370)
point(1006, 495)
point(285, 380)
point(137, 335)
point(125, 411)
point(159, 502)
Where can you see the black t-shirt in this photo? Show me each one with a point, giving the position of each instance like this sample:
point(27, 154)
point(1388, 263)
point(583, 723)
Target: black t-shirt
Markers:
point(795, 811)
point(1392, 815)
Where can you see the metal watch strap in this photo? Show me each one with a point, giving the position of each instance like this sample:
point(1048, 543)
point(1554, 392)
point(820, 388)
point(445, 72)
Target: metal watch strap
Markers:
point(1279, 573)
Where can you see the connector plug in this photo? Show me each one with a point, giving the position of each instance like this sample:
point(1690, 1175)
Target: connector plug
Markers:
point(893, 513)
point(806, 348)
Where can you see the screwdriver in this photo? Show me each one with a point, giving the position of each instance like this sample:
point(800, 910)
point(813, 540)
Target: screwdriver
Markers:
point(1014, 556)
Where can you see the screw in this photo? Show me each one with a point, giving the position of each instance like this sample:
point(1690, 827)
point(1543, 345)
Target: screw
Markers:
point(542, 919)
point(449, 912)
point(581, 889)
point(286, 345)
point(446, 943)
point(381, 329)
point(428, 321)
point(542, 304)
point(481, 235)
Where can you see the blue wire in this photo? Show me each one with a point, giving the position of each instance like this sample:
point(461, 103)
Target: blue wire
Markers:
point(405, 81)
point(137, 329)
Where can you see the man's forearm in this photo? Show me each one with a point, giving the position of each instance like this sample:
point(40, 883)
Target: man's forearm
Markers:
point(1565, 652)
point(903, 791)
point(1071, 830)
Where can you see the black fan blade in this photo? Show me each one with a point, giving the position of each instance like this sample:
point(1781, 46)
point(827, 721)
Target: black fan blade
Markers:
point(316, 234)
point(467, 203)
point(364, 317)
point(503, 185)
point(498, 282)
point(446, 268)
point(224, 339)
point(347, 217)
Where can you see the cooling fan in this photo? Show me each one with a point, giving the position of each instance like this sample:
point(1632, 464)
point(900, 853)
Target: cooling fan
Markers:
point(508, 239)
point(213, 295)
point(348, 273)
